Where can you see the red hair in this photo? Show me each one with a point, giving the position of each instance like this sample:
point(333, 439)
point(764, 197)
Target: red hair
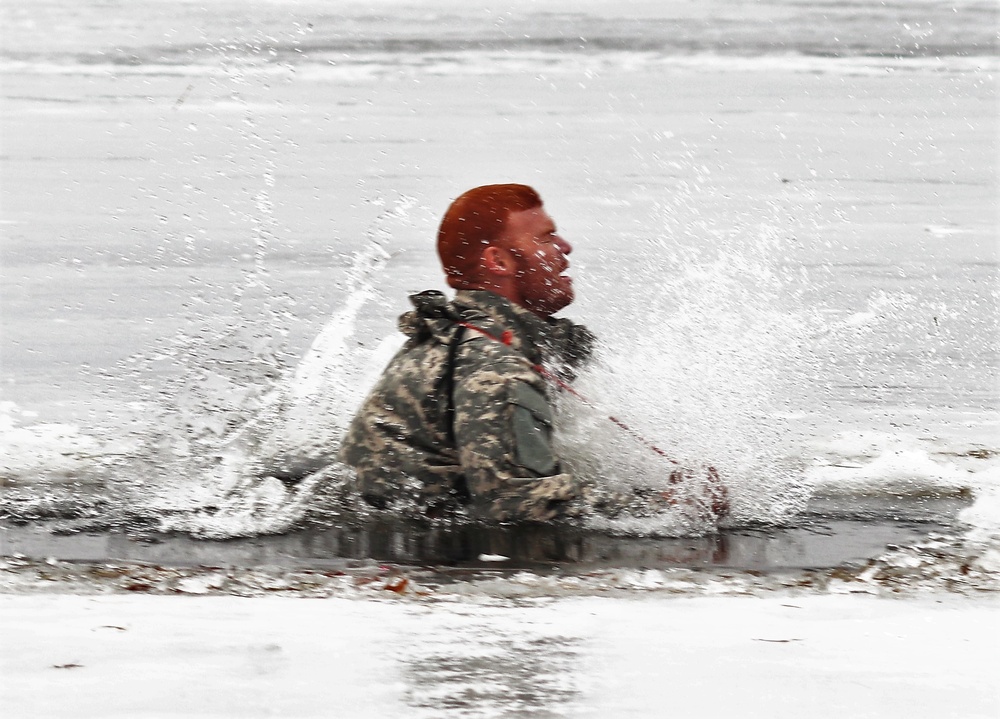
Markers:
point(473, 222)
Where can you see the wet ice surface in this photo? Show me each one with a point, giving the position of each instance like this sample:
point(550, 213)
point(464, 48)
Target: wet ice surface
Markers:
point(906, 547)
point(823, 540)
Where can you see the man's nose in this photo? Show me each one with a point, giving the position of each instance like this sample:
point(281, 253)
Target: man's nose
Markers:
point(563, 245)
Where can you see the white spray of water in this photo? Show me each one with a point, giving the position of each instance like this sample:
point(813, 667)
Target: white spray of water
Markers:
point(715, 358)
point(333, 376)
point(296, 428)
point(695, 365)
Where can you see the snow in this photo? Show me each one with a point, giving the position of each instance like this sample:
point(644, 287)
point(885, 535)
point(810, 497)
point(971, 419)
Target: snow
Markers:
point(772, 656)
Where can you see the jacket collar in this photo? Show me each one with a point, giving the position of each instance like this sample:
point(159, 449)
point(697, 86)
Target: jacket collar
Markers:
point(494, 314)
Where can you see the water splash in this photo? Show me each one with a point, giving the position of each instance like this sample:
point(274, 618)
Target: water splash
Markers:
point(334, 374)
point(279, 448)
point(718, 360)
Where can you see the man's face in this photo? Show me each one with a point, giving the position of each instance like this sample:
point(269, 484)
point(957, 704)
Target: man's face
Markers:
point(540, 256)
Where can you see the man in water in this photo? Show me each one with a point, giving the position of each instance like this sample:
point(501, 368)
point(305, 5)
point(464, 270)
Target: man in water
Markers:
point(461, 419)
point(462, 415)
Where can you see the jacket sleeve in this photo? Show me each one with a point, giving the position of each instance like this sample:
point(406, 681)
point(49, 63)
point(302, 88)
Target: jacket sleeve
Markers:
point(503, 433)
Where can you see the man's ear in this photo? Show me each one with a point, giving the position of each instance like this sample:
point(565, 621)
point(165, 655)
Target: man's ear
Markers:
point(498, 261)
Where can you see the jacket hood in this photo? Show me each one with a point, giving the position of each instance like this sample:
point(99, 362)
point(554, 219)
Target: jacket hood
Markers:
point(432, 315)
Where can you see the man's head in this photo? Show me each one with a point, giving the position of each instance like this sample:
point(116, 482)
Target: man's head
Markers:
point(498, 238)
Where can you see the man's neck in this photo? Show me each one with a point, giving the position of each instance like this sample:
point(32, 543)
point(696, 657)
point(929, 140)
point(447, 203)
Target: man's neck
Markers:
point(506, 289)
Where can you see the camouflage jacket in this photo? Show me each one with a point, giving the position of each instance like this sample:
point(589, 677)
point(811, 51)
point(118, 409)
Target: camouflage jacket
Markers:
point(461, 417)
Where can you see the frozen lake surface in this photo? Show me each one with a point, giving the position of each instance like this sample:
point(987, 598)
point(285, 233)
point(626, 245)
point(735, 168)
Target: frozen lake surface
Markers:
point(785, 225)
